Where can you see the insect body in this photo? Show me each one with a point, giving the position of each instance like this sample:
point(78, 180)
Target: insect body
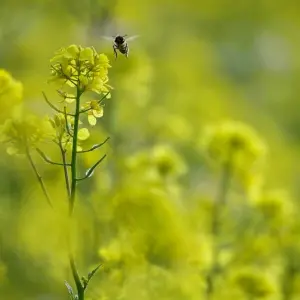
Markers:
point(121, 44)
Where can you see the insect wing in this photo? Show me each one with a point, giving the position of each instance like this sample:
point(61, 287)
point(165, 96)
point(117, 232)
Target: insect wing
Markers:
point(108, 38)
point(131, 38)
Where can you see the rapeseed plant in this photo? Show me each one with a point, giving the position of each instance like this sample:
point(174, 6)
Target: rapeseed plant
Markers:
point(77, 71)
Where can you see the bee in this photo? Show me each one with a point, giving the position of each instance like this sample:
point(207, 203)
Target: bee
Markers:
point(121, 44)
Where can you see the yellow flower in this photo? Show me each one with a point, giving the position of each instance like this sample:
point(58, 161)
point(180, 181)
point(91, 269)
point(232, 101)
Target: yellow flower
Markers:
point(94, 111)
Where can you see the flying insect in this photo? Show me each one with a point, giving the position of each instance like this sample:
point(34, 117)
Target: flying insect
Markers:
point(121, 44)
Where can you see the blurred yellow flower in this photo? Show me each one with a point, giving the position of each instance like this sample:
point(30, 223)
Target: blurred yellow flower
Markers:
point(113, 252)
point(235, 143)
point(160, 161)
point(22, 133)
point(167, 161)
point(11, 93)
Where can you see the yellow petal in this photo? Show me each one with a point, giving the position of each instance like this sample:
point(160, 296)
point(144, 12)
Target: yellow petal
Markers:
point(83, 134)
point(70, 100)
point(92, 120)
point(87, 54)
point(72, 51)
point(98, 113)
point(86, 105)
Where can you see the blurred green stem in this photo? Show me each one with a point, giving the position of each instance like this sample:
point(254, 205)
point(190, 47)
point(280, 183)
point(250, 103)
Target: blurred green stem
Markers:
point(226, 175)
point(39, 177)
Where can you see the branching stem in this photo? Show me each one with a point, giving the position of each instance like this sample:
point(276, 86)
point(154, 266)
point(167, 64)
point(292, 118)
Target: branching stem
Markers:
point(94, 147)
point(39, 177)
point(46, 159)
point(66, 173)
point(99, 102)
point(53, 106)
point(91, 170)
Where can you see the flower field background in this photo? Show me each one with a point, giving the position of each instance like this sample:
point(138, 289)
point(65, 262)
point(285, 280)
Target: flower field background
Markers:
point(197, 197)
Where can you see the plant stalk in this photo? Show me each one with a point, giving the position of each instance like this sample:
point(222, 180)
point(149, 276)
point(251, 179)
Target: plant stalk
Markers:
point(72, 191)
point(74, 152)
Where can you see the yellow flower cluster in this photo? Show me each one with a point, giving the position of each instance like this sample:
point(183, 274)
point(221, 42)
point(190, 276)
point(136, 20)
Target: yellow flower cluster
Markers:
point(84, 66)
point(80, 70)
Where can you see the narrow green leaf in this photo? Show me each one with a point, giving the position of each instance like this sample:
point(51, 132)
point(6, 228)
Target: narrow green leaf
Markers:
point(93, 272)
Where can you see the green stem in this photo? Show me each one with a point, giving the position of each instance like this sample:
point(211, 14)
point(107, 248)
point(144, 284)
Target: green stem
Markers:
point(225, 180)
point(38, 176)
point(74, 152)
point(79, 285)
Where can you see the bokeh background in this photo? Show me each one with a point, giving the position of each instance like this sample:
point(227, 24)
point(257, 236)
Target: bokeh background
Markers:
point(145, 214)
